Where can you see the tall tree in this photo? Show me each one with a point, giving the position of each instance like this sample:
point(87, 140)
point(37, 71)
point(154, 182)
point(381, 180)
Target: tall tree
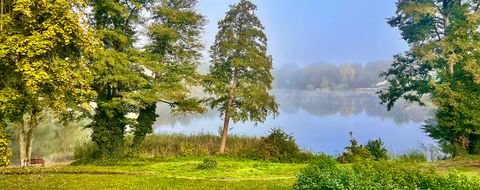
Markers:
point(121, 80)
point(240, 75)
point(175, 46)
point(43, 51)
point(442, 63)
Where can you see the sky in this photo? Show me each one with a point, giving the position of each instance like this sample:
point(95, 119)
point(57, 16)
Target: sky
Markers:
point(319, 31)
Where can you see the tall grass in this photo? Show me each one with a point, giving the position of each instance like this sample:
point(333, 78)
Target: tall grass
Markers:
point(201, 145)
point(171, 145)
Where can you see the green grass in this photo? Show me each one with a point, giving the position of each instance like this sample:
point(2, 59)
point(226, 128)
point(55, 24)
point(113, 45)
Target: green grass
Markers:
point(180, 173)
point(467, 165)
point(155, 174)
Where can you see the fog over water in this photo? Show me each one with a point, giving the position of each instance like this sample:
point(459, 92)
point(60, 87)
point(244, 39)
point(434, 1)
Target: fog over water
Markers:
point(320, 120)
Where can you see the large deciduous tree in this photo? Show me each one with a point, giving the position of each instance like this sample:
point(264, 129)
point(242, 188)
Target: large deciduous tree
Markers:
point(43, 65)
point(175, 34)
point(121, 80)
point(443, 63)
point(132, 80)
point(240, 75)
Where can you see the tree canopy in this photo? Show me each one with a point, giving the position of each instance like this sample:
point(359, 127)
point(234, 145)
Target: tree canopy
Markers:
point(44, 51)
point(240, 76)
point(441, 63)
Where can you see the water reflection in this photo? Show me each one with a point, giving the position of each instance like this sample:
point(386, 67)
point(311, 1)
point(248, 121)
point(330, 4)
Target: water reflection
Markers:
point(348, 103)
point(321, 120)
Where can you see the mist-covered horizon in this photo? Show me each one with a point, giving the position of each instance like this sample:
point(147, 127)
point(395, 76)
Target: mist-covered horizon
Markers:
point(329, 37)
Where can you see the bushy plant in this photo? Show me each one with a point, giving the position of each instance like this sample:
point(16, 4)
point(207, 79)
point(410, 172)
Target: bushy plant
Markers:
point(208, 163)
point(325, 173)
point(355, 152)
point(377, 149)
point(328, 174)
point(280, 146)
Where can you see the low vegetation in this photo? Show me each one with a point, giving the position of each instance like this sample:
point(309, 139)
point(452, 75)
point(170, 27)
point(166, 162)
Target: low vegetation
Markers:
point(329, 174)
point(278, 146)
point(155, 173)
point(366, 166)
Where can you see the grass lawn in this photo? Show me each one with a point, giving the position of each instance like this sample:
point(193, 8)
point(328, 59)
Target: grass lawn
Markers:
point(178, 173)
point(155, 174)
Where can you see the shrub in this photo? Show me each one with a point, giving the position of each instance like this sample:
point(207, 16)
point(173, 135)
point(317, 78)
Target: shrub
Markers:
point(377, 149)
point(279, 146)
point(354, 152)
point(324, 173)
point(327, 174)
point(208, 163)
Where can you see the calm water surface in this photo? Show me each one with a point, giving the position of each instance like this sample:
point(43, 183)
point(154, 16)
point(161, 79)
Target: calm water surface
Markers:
point(320, 121)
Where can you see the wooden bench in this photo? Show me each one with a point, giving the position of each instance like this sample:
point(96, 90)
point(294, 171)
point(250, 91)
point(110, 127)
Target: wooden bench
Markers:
point(37, 161)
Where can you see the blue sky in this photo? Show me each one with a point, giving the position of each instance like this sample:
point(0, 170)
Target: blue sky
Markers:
point(312, 31)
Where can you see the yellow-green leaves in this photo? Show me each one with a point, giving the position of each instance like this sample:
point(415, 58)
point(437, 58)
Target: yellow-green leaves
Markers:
point(5, 151)
point(43, 54)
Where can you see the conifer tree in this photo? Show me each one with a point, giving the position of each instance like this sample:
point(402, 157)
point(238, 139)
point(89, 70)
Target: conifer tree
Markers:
point(175, 53)
point(240, 75)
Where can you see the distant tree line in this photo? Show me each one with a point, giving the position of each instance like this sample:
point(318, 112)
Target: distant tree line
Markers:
point(330, 76)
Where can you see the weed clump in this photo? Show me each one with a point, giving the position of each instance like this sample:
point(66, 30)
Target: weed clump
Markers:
point(208, 164)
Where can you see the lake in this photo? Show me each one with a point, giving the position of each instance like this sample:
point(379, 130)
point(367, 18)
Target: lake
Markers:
point(321, 121)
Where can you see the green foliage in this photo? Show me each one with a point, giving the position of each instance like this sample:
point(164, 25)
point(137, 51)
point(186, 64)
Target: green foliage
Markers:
point(442, 63)
point(5, 151)
point(179, 145)
point(120, 79)
point(208, 164)
point(175, 40)
point(413, 156)
point(240, 76)
point(44, 52)
point(130, 80)
point(43, 58)
point(355, 152)
point(377, 149)
point(327, 174)
point(145, 120)
point(279, 146)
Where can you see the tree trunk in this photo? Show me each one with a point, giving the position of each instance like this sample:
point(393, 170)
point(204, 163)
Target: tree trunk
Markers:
point(1, 15)
point(25, 139)
point(226, 121)
point(21, 145)
point(29, 144)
